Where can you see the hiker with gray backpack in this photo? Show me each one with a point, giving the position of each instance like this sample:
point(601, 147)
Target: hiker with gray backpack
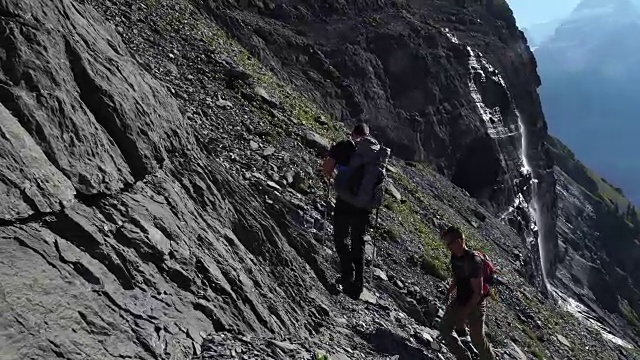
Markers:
point(359, 165)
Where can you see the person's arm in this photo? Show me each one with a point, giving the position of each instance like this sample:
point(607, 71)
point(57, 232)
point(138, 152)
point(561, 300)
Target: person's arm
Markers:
point(328, 165)
point(452, 287)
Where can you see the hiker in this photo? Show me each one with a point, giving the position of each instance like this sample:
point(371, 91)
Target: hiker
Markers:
point(360, 163)
point(468, 307)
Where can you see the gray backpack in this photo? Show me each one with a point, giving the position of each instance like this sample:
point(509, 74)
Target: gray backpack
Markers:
point(362, 182)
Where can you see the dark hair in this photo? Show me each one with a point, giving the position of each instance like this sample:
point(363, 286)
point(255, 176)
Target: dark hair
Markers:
point(453, 231)
point(361, 129)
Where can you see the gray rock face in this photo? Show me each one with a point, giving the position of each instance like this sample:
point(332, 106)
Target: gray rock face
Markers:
point(108, 251)
point(72, 87)
point(397, 73)
point(587, 222)
point(29, 182)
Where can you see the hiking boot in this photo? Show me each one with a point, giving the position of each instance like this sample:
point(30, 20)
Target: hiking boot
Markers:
point(354, 290)
point(358, 281)
point(344, 282)
point(467, 344)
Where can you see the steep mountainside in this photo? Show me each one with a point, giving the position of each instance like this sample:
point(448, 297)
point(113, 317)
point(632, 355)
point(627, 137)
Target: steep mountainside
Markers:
point(590, 86)
point(599, 235)
point(161, 199)
point(385, 61)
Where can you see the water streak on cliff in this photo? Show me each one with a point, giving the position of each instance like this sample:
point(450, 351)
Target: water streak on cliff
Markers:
point(497, 130)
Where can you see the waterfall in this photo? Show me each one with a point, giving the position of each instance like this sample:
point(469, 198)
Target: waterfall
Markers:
point(534, 209)
point(498, 130)
point(535, 234)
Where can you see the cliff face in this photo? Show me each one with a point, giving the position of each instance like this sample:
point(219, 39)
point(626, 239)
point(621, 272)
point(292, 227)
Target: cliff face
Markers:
point(116, 239)
point(587, 70)
point(439, 83)
point(599, 230)
point(160, 194)
point(393, 65)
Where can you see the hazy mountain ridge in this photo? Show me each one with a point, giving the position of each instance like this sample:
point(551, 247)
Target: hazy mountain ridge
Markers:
point(538, 33)
point(589, 87)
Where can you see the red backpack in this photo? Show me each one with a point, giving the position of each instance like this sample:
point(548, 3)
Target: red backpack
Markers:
point(488, 271)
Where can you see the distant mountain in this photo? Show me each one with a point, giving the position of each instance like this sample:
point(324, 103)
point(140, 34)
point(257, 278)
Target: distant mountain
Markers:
point(591, 88)
point(539, 33)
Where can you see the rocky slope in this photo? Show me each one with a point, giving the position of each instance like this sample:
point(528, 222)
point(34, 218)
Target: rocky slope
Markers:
point(161, 200)
point(457, 106)
point(599, 230)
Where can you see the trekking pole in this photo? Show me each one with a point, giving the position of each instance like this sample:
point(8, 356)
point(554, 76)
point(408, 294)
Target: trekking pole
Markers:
point(326, 213)
point(373, 245)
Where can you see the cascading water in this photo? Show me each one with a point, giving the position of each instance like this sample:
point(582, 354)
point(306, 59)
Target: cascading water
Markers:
point(567, 303)
point(535, 232)
point(499, 131)
point(534, 209)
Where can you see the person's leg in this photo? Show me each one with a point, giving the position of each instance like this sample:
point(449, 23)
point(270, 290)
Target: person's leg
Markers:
point(447, 325)
point(359, 224)
point(461, 330)
point(478, 336)
point(465, 340)
point(341, 224)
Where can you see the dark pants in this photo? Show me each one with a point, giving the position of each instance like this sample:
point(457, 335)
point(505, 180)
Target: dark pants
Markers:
point(348, 219)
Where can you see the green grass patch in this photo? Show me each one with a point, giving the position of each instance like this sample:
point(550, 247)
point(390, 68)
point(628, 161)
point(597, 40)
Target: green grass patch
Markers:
point(180, 16)
point(436, 256)
point(597, 187)
point(537, 354)
point(433, 268)
point(607, 192)
point(176, 20)
point(436, 259)
point(296, 106)
point(321, 356)
point(632, 317)
point(442, 210)
point(527, 331)
point(152, 4)
point(390, 233)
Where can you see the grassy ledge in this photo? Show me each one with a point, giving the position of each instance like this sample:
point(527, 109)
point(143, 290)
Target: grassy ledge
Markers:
point(295, 105)
point(632, 317)
point(436, 257)
point(420, 202)
point(185, 19)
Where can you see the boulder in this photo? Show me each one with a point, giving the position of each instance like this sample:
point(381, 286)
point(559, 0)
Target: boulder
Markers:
point(316, 142)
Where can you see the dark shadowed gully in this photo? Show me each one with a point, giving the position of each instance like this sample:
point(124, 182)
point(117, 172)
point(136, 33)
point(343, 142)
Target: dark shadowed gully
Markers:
point(161, 198)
